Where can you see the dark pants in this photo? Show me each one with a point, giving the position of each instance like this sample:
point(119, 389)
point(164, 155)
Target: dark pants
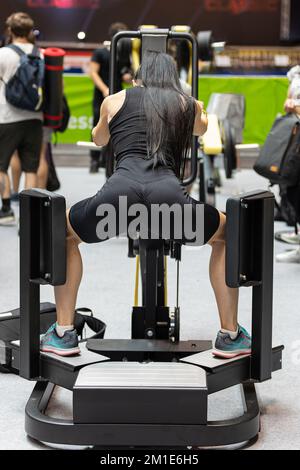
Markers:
point(26, 138)
point(164, 188)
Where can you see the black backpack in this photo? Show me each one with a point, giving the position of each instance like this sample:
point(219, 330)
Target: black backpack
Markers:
point(25, 89)
point(290, 168)
point(279, 159)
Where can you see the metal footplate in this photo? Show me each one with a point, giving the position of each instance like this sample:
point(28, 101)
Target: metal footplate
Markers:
point(133, 392)
point(146, 349)
point(224, 373)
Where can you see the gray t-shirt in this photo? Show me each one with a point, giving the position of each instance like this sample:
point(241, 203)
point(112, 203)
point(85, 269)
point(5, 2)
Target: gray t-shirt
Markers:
point(9, 62)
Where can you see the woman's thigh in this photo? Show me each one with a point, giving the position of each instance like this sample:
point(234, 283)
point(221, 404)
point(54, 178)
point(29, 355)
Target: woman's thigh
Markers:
point(195, 221)
point(97, 218)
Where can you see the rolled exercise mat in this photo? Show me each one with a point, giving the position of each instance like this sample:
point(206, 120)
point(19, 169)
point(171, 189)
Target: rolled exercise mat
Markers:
point(53, 87)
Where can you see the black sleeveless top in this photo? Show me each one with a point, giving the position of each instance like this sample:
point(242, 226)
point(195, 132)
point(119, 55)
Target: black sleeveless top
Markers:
point(128, 130)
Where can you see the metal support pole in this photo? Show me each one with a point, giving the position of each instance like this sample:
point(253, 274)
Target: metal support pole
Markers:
point(149, 262)
point(262, 299)
point(202, 194)
point(29, 291)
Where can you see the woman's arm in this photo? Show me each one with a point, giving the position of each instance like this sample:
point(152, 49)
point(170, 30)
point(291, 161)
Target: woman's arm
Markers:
point(110, 106)
point(100, 133)
point(200, 123)
point(98, 82)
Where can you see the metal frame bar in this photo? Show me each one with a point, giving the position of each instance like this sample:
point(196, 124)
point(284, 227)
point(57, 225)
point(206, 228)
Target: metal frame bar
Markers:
point(249, 262)
point(262, 299)
point(146, 320)
point(29, 291)
point(149, 268)
point(34, 217)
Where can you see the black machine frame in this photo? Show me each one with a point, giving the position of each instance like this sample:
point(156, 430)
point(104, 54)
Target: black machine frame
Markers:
point(244, 370)
point(249, 263)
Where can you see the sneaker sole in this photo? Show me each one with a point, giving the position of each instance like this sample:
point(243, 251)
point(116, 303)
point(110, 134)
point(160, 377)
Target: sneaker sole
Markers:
point(7, 222)
point(295, 260)
point(228, 355)
point(62, 352)
point(290, 240)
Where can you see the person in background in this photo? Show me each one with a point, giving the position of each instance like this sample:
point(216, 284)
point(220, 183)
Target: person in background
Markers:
point(20, 129)
point(291, 194)
point(292, 103)
point(99, 73)
point(43, 168)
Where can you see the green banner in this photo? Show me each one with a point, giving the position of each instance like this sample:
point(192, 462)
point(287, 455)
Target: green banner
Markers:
point(264, 100)
point(264, 96)
point(79, 92)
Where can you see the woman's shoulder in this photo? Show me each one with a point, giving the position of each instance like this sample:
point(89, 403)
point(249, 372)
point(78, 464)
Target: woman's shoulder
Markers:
point(117, 96)
point(120, 96)
point(114, 103)
point(115, 99)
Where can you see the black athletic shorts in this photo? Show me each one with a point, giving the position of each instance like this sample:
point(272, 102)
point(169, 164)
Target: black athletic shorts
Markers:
point(89, 217)
point(26, 138)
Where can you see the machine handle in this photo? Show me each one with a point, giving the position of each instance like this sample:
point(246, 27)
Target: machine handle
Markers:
point(113, 55)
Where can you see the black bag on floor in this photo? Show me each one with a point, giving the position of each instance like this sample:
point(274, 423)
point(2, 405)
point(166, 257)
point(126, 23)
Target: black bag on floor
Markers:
point(10, 328)
point(279, 159)
point(290, 170)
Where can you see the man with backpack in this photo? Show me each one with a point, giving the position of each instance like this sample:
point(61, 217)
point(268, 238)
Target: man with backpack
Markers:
point(21, 81)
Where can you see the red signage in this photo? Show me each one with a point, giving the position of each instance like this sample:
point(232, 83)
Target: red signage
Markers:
point(236, 7)
point(66, 4)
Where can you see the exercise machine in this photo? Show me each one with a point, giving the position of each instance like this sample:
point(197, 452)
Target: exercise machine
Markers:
point(224, 136)
point(152, 389)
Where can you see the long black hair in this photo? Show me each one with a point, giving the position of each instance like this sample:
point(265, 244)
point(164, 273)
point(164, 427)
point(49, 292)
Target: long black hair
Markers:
point(170, 113)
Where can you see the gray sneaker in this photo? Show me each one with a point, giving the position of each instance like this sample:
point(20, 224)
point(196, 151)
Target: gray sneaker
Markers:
point(67, 345)
point(227, 348)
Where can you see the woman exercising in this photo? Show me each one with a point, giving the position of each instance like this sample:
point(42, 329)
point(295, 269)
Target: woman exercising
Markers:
point(151, 126)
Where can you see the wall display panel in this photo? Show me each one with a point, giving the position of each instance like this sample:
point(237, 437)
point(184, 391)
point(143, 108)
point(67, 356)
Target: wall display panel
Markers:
point(236, 21)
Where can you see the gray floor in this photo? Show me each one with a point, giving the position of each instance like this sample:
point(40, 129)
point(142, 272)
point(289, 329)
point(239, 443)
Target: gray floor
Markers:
point(107, 288)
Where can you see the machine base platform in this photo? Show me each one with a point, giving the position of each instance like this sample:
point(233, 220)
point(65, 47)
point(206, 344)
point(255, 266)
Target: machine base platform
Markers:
point(41, 427)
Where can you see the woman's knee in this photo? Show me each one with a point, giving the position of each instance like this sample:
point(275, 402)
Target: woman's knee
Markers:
point(219, 235)
point(71, 235)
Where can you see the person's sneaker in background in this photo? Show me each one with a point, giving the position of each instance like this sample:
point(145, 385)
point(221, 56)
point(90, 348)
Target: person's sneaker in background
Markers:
point(226, 348)
point(291, 237)
point(7, 217)
point(291, 256)
point(67, 345)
